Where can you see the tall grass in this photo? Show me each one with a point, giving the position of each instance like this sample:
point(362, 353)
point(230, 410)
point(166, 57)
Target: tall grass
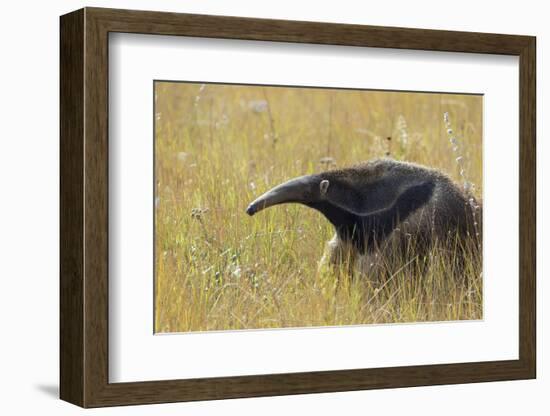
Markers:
point(217, 147)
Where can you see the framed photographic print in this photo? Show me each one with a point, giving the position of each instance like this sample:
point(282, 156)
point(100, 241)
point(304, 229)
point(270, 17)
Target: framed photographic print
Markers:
point(255, 207)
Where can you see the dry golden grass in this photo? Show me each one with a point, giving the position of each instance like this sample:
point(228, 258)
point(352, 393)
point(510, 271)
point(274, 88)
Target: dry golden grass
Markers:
point(217, 147)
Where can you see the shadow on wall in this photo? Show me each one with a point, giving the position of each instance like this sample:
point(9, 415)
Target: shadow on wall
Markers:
point(51, 390)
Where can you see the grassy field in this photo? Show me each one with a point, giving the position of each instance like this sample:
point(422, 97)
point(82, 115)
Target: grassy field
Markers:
point(218, 147)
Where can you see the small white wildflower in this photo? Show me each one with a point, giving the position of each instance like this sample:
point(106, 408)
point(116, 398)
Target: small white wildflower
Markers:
point(198, 213)
point(198, 96)
point(459, 159)
point(327, 162)
point(402, 127)
point(237, 271)
point(258, 106)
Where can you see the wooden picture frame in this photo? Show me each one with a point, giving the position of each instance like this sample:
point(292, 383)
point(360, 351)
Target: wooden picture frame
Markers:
point(84, 207)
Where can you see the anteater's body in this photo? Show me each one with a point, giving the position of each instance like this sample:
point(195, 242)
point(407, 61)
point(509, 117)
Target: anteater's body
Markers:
point(382, 209)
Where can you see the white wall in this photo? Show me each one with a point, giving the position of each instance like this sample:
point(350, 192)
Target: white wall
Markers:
point(29, 207)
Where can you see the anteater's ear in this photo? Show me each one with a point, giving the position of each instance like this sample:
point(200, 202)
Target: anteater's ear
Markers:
point(382, 195)
point(323, 186)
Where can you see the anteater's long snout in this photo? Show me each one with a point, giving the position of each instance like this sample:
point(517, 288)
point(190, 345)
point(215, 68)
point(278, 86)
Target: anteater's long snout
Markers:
point(252, 209)
point(297, 190)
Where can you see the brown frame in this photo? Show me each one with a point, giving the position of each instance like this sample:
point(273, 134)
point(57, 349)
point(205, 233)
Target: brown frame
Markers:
point(84, 207)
